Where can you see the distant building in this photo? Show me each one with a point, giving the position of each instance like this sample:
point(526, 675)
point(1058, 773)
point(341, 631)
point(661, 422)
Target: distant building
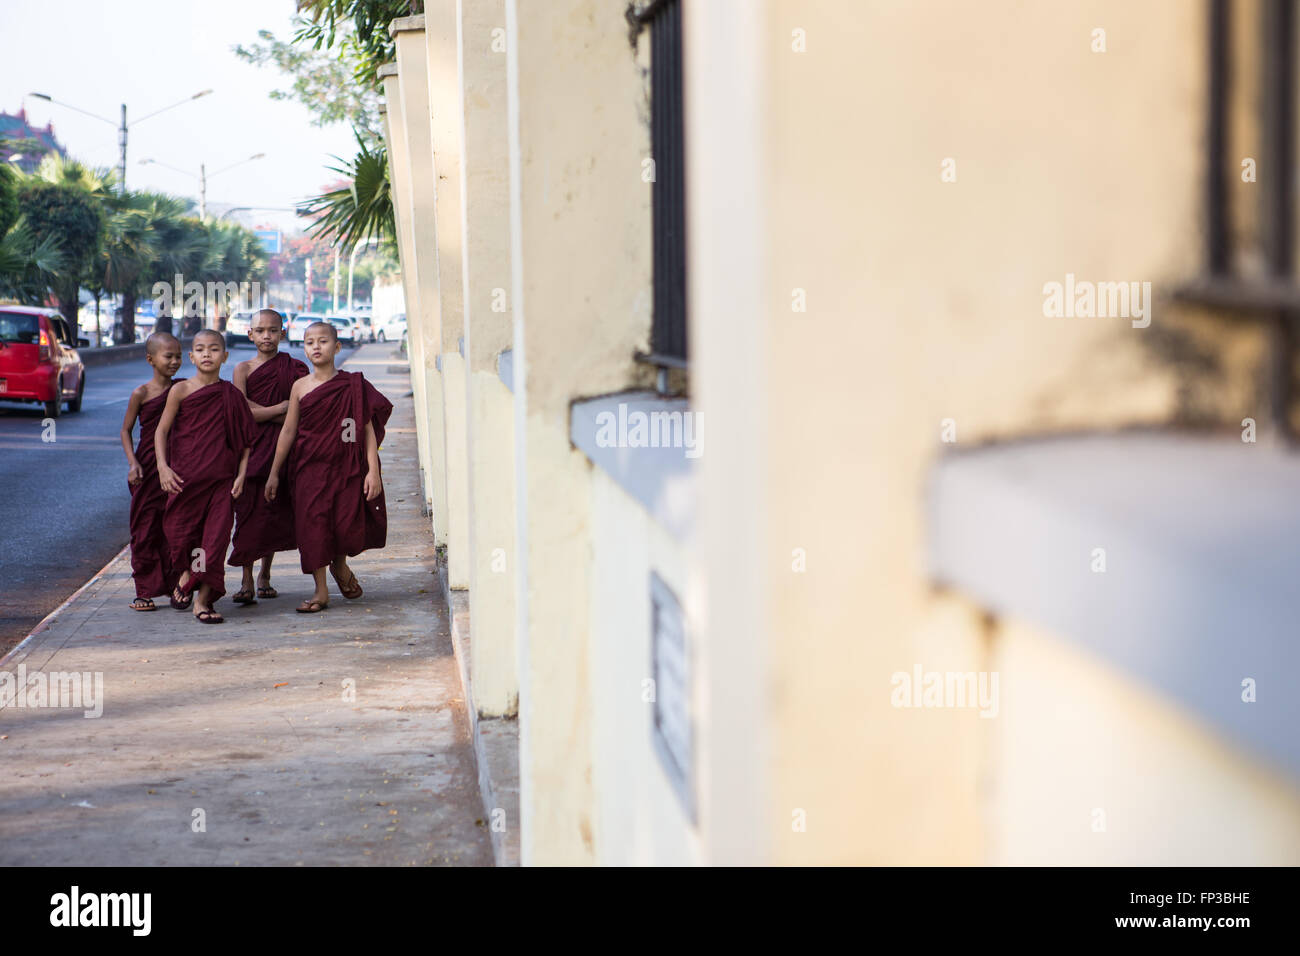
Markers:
point(17, 136)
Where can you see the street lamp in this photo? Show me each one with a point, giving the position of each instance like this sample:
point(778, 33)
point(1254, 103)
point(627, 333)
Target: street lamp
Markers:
point(122, 127)
point(203, 177)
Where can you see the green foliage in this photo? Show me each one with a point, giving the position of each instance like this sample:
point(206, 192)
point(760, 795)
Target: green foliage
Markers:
point(358, 27)
point(29, 266)
point(360, 210)
point(71, 215)
point(324, 82)
point(8, 198)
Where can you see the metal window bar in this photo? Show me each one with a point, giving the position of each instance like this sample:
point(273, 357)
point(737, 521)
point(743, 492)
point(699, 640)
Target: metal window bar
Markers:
point(1274, 298)
point(668, 341)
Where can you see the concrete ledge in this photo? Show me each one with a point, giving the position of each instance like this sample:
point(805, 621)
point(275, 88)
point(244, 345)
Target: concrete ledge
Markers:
point(1199, 590)
point(386, 69)
point(118, 353)
point(506, 368)
point(406, 24)
point(496, 739)
point(660, 478)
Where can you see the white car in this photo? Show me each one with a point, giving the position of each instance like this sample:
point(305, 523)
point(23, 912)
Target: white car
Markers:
point(349, 331)
point(391, 329)
point(298, 327)
point(237, 327)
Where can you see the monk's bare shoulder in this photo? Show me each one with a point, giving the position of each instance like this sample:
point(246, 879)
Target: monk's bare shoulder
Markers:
point(181, 389)
point(303, 385)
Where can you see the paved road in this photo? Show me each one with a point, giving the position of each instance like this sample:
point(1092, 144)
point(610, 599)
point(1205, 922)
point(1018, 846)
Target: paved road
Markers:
point(64, 505)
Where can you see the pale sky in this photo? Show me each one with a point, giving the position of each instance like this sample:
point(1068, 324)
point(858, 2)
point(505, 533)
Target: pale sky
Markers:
point(149, 54)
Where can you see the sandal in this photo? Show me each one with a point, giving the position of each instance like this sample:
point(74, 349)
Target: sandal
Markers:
point(181, 601)
point(266, 591)
point(312, 607)
point(351, 590)
point(243, 596)
point(143, 604)
point(209, 617)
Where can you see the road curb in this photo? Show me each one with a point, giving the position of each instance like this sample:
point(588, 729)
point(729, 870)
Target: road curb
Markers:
point(49, 618)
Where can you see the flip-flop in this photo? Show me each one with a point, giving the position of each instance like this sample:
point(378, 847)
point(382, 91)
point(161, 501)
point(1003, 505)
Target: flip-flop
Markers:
point(311, 607)
point(143, 604)
point(352, 590)
point(243, 597)
point(266, 591)
point(179, 604)
point(209, 617)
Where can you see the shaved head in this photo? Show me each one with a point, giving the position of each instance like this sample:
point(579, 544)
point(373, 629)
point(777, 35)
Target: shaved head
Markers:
point(160, 340)
point(274, 316)
point(221, 339)
point(324, 326)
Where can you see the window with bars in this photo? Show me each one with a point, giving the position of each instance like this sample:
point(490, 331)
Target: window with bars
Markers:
point(661, 21)
point(1269, 292)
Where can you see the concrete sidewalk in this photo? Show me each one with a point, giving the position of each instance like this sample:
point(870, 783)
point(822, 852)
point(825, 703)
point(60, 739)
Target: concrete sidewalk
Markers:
point(235, 744)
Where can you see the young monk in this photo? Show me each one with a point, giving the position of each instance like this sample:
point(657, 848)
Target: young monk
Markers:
point(201, 465)
point(149, 565)
point(334, 427)
point(263, 527)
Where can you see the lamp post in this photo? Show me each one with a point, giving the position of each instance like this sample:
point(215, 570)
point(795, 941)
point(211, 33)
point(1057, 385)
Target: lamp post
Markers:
point(203, 177)
point(352, 262)
point(122, 127)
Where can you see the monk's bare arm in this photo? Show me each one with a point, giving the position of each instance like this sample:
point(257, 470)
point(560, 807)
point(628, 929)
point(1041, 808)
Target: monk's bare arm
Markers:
point(261, 413)
point(268, 413)
point(373, 483)
point(287, 434)
point(238, 487)
point(170, 481)
point(133, 471)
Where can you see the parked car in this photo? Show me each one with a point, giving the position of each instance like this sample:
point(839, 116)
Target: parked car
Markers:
point(365, 327)
point(349, 331)
point(299, 326)
point(39, 360)
point(392, 328)
point(237, 327)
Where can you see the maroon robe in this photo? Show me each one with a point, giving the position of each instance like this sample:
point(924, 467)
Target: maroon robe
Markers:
point(264, 527)
point(331, 514)
point(213, 427)
point(149, 559)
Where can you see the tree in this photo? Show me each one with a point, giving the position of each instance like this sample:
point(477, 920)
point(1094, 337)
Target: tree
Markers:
point(71, 216)
point(359, 28)
point(360, 209)
point(323, 82)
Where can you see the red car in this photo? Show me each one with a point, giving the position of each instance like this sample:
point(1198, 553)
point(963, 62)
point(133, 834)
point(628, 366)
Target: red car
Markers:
point(39, 360)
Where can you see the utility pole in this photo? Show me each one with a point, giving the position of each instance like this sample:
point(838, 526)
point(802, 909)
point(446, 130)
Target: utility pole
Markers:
point(122, 127)
point(203, 192)
point(336, 279)
point(121, 164)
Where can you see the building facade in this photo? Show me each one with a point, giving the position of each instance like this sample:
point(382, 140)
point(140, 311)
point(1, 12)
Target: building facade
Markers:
point(835, 418)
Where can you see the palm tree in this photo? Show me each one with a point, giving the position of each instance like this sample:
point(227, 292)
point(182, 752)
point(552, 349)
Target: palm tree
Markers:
point(129, 250)
point(360, 210)
point(27, 264)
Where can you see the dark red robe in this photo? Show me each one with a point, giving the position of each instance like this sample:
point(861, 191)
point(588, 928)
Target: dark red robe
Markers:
point(213, 427)
point(149, 559)
point(264, 527)
point(331, 514)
